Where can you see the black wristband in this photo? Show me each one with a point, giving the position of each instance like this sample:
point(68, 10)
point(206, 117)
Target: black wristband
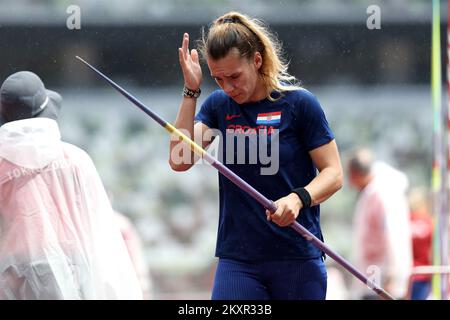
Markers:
point(191, 93)
point(304, 196)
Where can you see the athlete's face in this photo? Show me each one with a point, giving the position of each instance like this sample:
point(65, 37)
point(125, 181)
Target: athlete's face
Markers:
point(238, 76)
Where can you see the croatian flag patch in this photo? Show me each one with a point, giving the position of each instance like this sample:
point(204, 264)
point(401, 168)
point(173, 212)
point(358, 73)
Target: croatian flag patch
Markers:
point(269, 118)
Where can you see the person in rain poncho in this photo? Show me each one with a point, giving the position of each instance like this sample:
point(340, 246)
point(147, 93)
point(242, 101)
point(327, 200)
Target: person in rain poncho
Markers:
point(382, 232)
point(58, 235)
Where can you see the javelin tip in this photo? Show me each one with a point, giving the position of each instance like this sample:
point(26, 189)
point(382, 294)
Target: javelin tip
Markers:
point(82, 60)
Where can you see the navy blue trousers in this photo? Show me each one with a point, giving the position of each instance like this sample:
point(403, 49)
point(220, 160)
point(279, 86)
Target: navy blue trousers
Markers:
point(270, 280)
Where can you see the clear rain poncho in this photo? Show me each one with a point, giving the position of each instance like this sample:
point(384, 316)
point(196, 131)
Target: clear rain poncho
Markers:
point(59, 238)
point(382, 231)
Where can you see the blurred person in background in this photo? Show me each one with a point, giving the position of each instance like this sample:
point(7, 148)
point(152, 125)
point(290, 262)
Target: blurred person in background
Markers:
point(382, 230)
point(133, 243)
point(58, 235)
point(422, 241)
point(258, 257)
point(337, 288)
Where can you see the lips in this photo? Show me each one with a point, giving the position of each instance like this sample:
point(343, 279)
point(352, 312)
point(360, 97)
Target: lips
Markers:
point(235, 96)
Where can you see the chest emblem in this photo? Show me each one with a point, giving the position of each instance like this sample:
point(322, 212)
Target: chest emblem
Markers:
point(229, 117)
point(271, 118)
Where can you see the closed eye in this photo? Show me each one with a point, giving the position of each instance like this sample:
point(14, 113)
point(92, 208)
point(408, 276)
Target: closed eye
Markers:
point(233, 77)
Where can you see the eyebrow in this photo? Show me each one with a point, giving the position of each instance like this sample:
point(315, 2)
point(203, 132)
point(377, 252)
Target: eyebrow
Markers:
point(233, 74)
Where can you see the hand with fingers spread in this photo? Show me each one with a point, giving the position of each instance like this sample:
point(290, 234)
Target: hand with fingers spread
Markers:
point(288, 209)
point(190, 65)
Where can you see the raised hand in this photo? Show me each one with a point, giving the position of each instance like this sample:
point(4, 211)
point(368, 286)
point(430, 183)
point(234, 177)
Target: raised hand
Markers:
point(190, 65)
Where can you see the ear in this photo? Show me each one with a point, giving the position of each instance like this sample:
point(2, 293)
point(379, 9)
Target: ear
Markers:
point(257, 60)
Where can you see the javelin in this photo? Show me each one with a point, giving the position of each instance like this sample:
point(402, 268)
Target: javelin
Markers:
point(266, 203)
